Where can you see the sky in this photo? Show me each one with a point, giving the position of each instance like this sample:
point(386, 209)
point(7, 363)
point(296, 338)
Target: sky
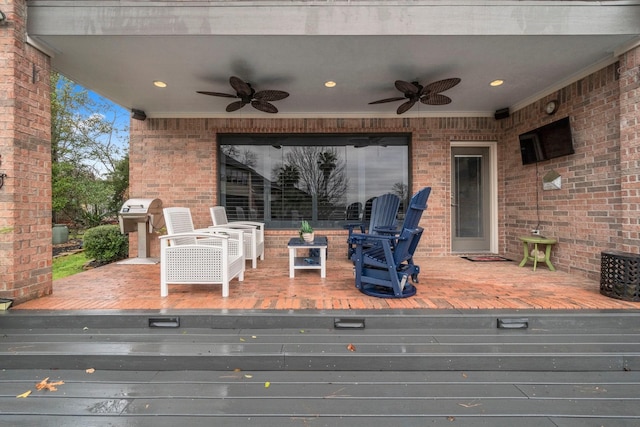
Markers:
point(121, 114)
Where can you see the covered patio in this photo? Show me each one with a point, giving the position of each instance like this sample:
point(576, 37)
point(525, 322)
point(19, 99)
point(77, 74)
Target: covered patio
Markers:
point(444, 283)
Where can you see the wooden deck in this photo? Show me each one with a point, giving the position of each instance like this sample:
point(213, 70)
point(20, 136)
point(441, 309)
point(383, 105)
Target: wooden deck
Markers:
point(297, 368)
point(354, 399)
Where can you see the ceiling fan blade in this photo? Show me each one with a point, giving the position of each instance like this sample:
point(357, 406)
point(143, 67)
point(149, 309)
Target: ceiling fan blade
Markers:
point(406, 106)
point(441, 85)
point(406, 87)
point(264, 106)
point(235, 106)
point(224, 95)
point(435, 99)
point(242, 88)
point(270, 95)
point(398, 98)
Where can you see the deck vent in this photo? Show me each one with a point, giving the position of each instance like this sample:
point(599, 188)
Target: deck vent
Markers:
point(516, 323)
point(348, 323)
point(164, 322)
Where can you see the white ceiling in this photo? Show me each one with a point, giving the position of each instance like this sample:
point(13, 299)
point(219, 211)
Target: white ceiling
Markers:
point(535, 47)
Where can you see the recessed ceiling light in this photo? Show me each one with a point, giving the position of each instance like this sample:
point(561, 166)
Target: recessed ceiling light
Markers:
point(496, 82)
point(330, 83)
point(158, 83)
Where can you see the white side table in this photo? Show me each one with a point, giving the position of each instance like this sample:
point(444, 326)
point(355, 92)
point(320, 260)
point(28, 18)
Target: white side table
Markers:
point(308, 262)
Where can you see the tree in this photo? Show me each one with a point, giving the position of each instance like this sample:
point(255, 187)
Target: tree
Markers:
point(87, 147)
point(119, 179)
point(247, 157)
point(327, 163)
point(330, 182)
point(320, 181)
point(287, 177)
point(402, 191)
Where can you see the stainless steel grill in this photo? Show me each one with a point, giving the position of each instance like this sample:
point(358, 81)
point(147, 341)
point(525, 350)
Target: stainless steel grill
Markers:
point(144, 216)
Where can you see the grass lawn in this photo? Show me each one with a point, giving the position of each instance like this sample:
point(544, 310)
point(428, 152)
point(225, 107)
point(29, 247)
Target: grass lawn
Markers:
point(68, 265)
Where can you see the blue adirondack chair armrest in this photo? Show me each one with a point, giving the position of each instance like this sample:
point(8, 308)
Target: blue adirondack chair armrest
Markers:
point(386, 229)
point(360, 239)
point(352, 226)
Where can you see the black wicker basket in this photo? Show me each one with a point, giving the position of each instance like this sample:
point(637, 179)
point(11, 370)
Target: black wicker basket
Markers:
point(620, 275)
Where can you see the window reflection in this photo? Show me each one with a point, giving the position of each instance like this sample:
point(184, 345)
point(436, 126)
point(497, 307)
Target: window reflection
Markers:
point(328, 180)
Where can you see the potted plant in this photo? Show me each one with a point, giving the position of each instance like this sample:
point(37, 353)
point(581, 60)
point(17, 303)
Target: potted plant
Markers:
point(306, 231)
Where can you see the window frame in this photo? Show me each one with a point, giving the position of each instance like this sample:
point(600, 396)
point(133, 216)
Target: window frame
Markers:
point(350, 141)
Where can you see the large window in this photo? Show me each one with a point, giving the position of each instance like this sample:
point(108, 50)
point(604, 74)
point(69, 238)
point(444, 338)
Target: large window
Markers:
point(328, 180)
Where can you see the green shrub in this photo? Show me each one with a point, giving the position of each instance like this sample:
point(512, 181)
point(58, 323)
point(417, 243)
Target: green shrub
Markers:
point(105, 243)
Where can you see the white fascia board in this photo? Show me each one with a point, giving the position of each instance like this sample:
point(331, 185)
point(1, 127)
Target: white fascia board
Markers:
point(333, 18)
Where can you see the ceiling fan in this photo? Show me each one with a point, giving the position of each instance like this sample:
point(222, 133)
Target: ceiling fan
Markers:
point(247, 94)
point(414, 92)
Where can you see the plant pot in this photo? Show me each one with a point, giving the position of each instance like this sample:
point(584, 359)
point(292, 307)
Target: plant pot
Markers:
point(307, 237)
point(60, 234)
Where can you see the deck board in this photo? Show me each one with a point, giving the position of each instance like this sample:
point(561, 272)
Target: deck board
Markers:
point(567, 369)
point(293, 398)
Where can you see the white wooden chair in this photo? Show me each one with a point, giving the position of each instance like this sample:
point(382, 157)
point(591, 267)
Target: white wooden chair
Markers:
point(253, 233)
point(198, 256)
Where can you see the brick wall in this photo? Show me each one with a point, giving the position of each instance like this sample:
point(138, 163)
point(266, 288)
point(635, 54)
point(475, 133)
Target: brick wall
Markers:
point(585, 215)
point(175, 160)
point(629, 72)
point(25, 199)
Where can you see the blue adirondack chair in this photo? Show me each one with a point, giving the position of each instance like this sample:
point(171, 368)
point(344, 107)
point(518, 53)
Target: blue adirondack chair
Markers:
point(383, 263)
point(382, 219)
point(353, 211)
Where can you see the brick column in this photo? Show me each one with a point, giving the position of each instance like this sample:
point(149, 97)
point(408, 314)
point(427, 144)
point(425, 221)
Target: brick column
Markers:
point(25, 150)
point(630, 148)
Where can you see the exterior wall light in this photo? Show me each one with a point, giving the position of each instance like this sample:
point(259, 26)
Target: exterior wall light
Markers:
point(138, 114)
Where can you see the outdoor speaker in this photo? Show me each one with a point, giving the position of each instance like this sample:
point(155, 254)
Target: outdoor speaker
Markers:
point(138, 114)
point(502, 113)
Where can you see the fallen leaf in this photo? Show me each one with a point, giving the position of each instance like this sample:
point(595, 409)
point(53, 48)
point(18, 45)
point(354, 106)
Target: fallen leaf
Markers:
point(351, 347)
point(451, 419)
point(237, 370)
point(267, 384)
point(90, 371)
point(46, 385)
point(248, 376)
point(242, 339)
point(24, 395)
point(254, 337)
point(469, 405)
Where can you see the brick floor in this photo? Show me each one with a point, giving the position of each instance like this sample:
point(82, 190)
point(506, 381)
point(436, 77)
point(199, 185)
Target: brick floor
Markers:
point(445, 283)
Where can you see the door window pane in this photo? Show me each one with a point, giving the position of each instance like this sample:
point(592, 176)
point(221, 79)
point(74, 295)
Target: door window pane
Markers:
point(468, 181)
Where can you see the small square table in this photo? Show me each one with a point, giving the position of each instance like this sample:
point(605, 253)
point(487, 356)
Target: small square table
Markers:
point(308, 262)
point(533, 256)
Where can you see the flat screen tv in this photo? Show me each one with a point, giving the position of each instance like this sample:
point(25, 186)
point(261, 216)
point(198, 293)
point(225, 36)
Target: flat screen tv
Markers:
point(547, 142)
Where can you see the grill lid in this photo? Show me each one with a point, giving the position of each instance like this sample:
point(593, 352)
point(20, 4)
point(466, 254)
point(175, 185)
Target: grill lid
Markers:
point(141, 207)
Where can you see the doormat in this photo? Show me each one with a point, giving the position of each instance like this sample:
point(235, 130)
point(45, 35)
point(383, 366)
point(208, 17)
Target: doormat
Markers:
point(485, 258)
